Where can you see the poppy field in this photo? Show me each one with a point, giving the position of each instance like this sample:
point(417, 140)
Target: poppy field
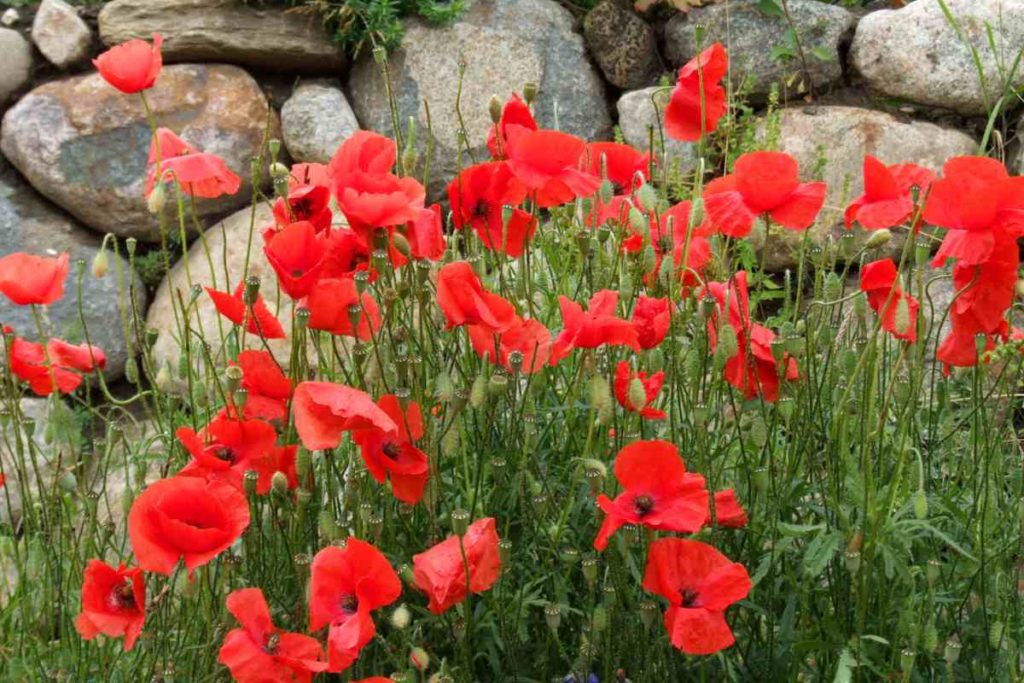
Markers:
point(558, 420)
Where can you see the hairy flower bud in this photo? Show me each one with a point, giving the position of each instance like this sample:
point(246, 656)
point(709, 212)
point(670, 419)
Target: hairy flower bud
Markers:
point(636, 395)
point(157, 198)
point(878, 239)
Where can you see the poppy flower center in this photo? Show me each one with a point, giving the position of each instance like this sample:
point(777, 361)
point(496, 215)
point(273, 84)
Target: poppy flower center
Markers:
point(124, 596)
point(349, 604)
point(302, 208)
point(298, 272)
point(480, 209)
point(391, 450)
point(225, 453)
point(690, 597)
point(272, 642)
point(643, 504)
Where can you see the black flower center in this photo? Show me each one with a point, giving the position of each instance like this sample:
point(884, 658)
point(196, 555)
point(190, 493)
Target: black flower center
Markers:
point(391, 450)
point(689, 597)
point(643, 504)
point(225, 453)
point(124, 596)
point(302, 208)
point(349, 604)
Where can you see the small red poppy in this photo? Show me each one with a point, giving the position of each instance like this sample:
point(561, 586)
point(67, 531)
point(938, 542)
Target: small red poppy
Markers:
point(305, 203)
point(113, 602)
point(441, 574)
point(26, 279)
point(888, 198)
point(548, 163)
point(394, 455)
point(464, 300)
point(762, 183)
point(200, 174)
point(323, 411)
point(700, 583)
point(268, 388)
point(259, 652)
point(58, 367)
point(296, 253)
point(256, 319)
point(880, 281)
point(515, 112)
point(425, 236)
point(336, 306)
point(698, 100)
point(651, 318)
point(729, 513)
point(527, 337)
point(481, 196)
point(132, 66)
point(596, 326)
point(227, 447)
point(627, 167)
point(624, 376)
point(185, 518)
point(658, 492)
point(346, 586)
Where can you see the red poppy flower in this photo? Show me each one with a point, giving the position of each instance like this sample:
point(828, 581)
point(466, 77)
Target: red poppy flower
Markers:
point(256, 319)
point(441, 574)
point(627, 167)
point(651, 318)
point(700, 583)
point(976, 200)
point(186, 518)
point(305, 203)
point(346, 586)
point(296, 254)
point(56, 368)
point(548, 162)
point(624, 377)
point(259, 652)
point(394, 454)
point(670, 233)
point(879, 280)
point(133, 66)
point(363, 152)
point(336, 306)
point(464, 300)
point(323, 411)
point(267, 386)
point(227, 447)
point(658, 492)
point(527, 337)
point(698, 100)
point(200, 174)
point(515, 113)
point(762, 183)
point(347, 254)
point(479, 197)
point(596, 326)
point(378, 201)
point(426, 235)
point(308, 173)
point(27, 279)
point(728, 511)
point(888, 198)
point(113, 602)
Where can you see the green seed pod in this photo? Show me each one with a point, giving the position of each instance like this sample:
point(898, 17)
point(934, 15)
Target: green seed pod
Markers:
point(951, 652)
point(497, 385)
point(933, 571)
point(761, 479)
point(852, 561)
point(907, 656)
point(67, 481)
point(478, 392)
point(460, 521)
point(922, 251)
point(505, 553)
point(930, 637)
point(553, 616)
point(599, 620)
point(649, 614)
point(589, 566)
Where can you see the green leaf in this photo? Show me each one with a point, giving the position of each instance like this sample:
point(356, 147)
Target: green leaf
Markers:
point(844, 669)
point(821, 53)
point(787, 529)
point(770, 8)
point(820, 551)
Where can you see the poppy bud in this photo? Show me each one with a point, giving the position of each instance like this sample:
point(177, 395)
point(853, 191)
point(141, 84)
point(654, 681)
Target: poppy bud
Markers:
point(879, 238)
point(401, 244)
point(599, 619)
point(460, 521)
point(606, 191)
point(647, 195)
point(163, 378)
point(419, 659)
point(860, 304)
point(901, 318)
point(951, 653)
point(249, 480)
point(279, 483)
point(931, 637)
point(156, 199)
point(494, 107)
point(553, 616)
point(127, 498)
point(920, 504)
point(478, 392)
point(833, 287)
point(637, 221)
point(636, 395)
point(100, 262)
point(778, 349)
point(727, 340)
point(441, 678)
point(131, 370)
point(67, 481)
point(401, 617)
point(278, 170)
point(529, 91)
point(995, 634)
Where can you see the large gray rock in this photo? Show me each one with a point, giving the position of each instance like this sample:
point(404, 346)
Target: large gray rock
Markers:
point(225, 31)
point(503, 45)
point(16, 65)
point(750, 36)
point(60, 34)
point(315, 120)
point(913, 53)
point(228, 242)
point(84, 145)
point(31, 224)
point(622, 44)
point(29, 462)
point(638, 117)
point(829, 143)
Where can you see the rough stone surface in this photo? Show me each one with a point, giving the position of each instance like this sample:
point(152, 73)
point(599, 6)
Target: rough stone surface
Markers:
point(84, 145)
point(60, 34)
point(503, 44)
point(16, 65)
point(31, 224)
point(913, 53)
point(637, 116)
point(19, 472)
point(315, 120)
point(225, 31)
point(622, 44)
point(750, 37)
point(829, 143)
point(227, 243)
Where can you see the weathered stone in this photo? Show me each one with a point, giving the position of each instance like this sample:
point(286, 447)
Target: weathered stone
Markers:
point(315, 120)
point(84, 145)
point(622, 44)
point(10, 17)
point(753, 39)
point(225, 245)
point(16, 65)
point(225, 31)
point(29, 461)
point(60, 34)
point(913, 53)
point(638, 117)
point(503, 45)
point(31, 224)
point(829, 143)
